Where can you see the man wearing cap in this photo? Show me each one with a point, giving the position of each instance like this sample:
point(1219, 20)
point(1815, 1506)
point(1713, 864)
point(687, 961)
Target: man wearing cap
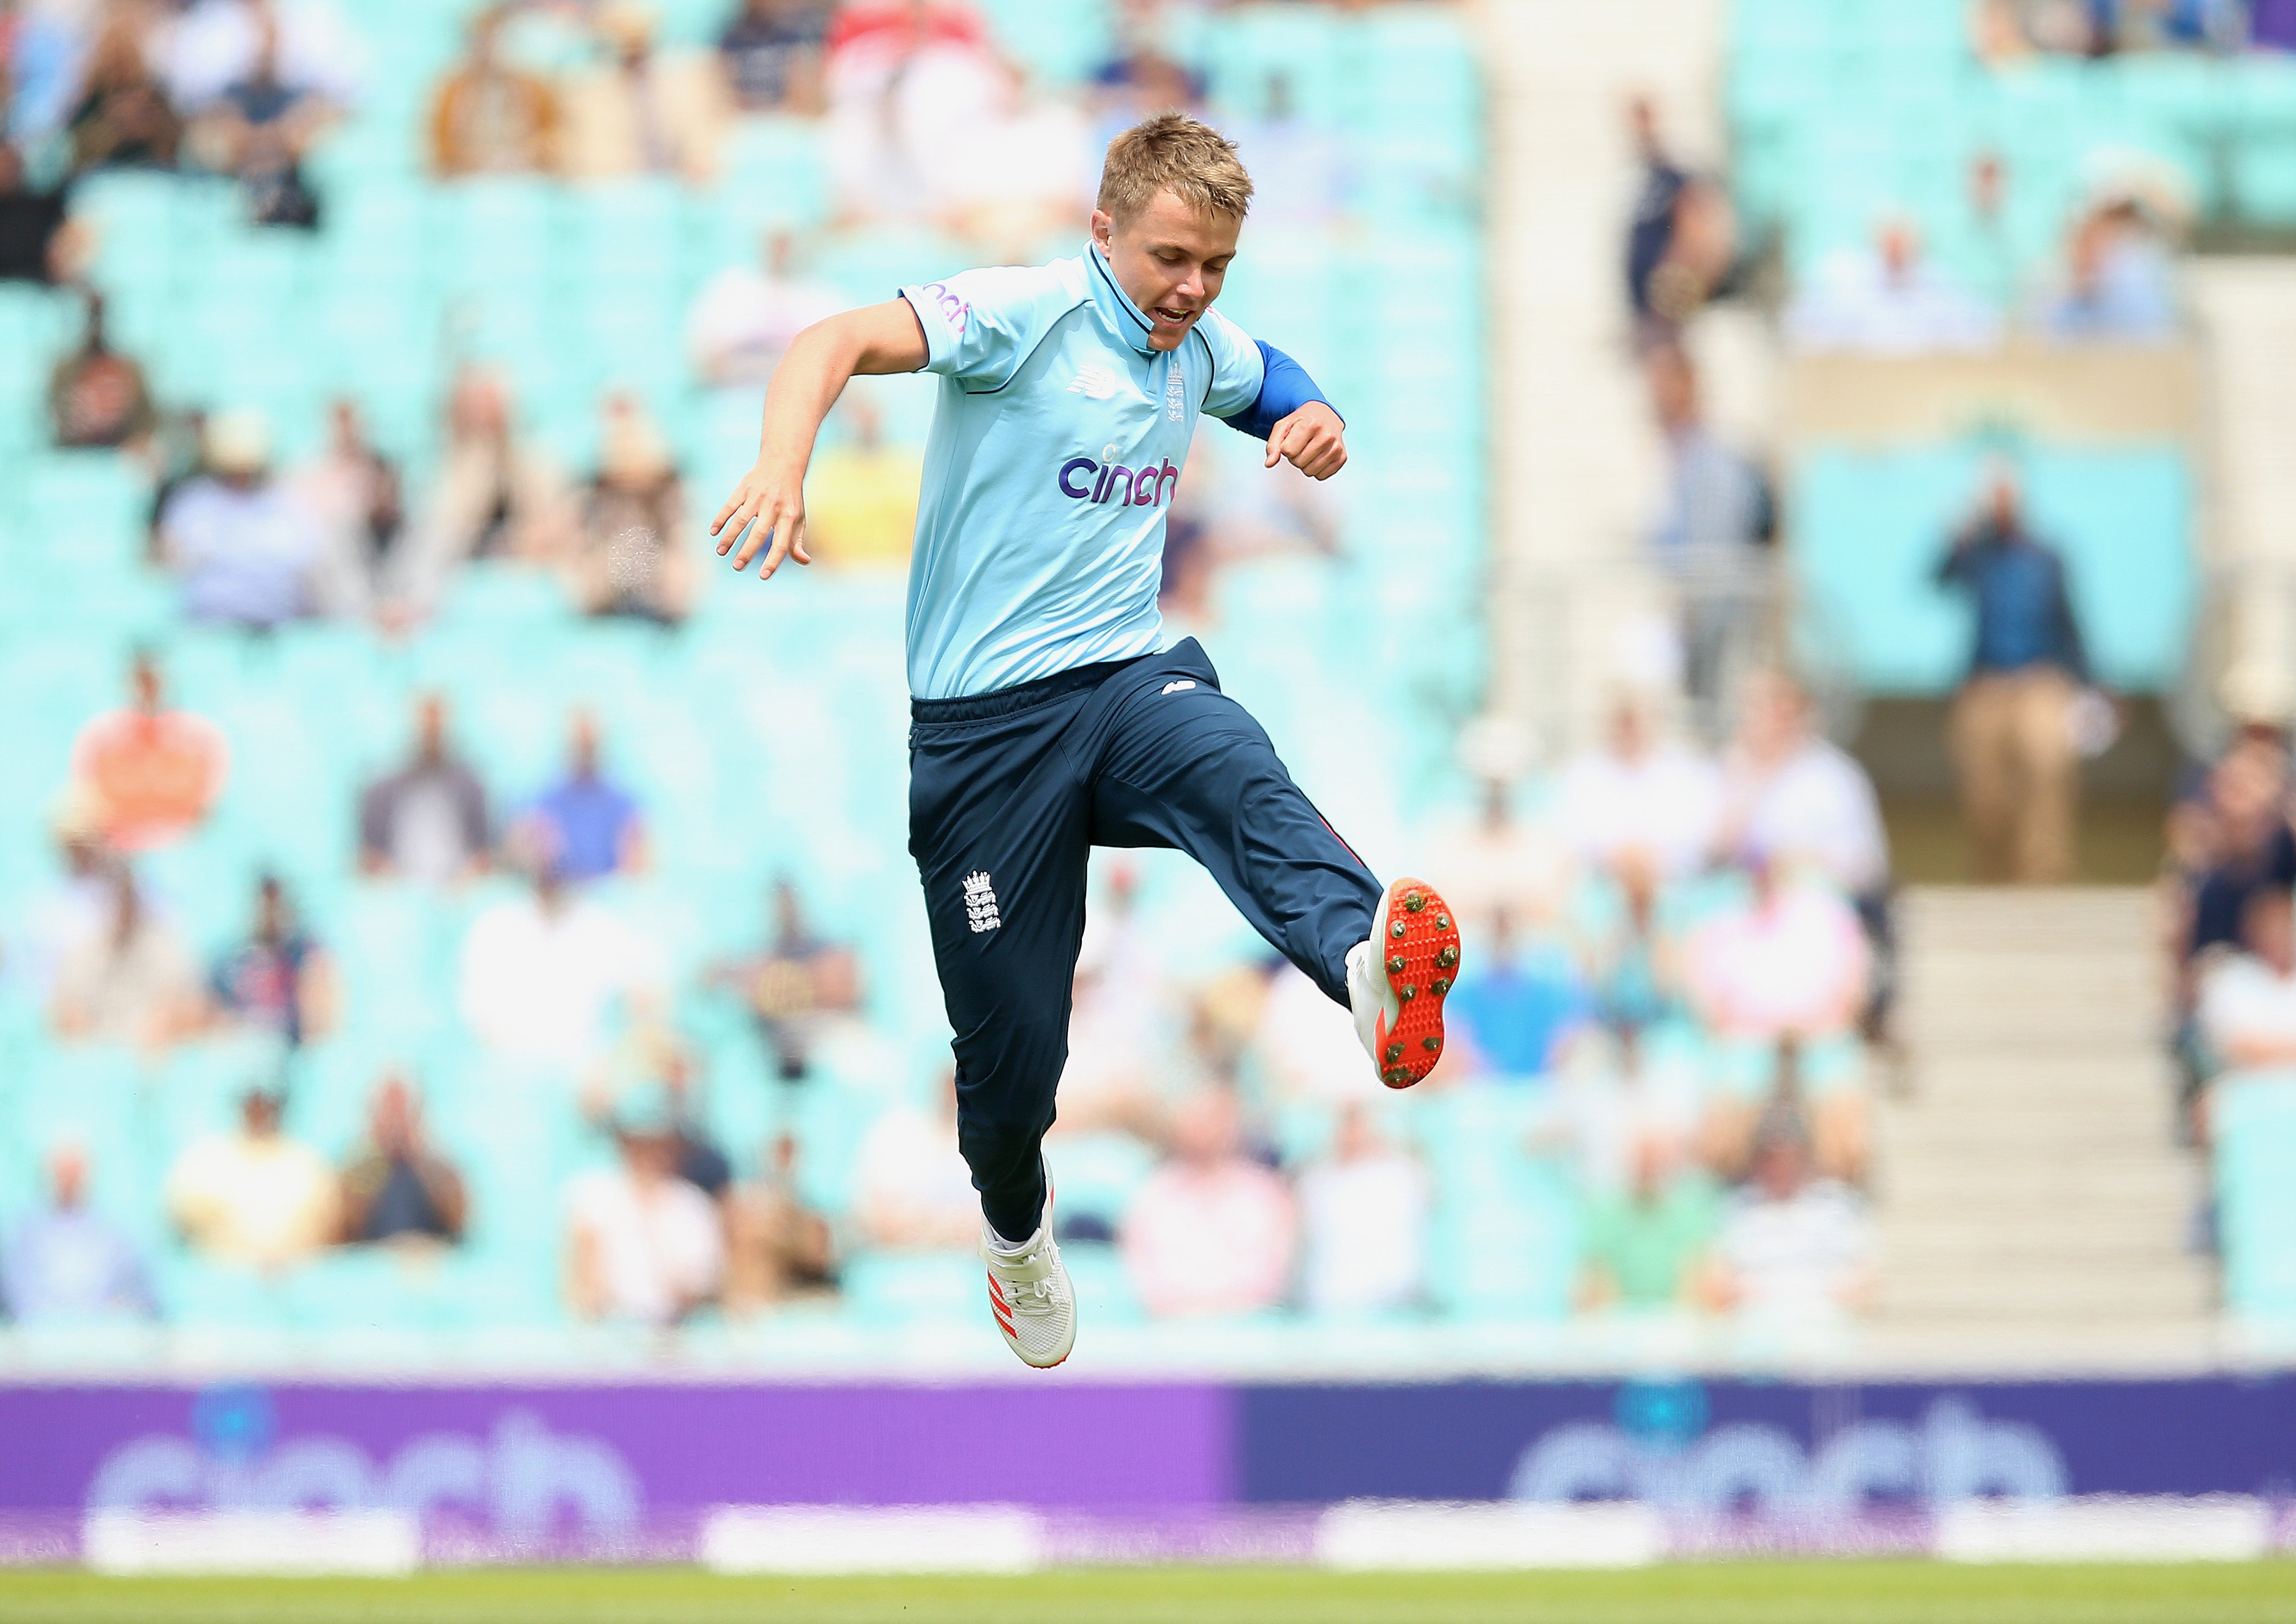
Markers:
point(246, 547)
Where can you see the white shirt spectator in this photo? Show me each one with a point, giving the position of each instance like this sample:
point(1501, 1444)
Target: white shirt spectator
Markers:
point(910, 1188)
point(744, 319)
point(1307, 1043)
point(543, 982)
point(1663, 801)
point(1817, 806)
point(2246, 1005)
point(1363, 1221)
point(246, 556)
point(1795, 961)
point(1798, 1258)
point(248, 1197)
point(216, 43)
point(1209, 1240)
point(1855, 301)
point(657, 1245)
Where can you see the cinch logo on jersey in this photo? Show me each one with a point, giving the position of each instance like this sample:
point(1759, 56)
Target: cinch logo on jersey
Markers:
point(1087, 480)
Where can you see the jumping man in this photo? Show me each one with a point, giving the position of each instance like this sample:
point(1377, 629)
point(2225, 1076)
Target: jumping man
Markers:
point(1048, 714)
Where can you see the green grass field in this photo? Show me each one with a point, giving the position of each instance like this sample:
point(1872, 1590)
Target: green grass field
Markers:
point(1747, 1593)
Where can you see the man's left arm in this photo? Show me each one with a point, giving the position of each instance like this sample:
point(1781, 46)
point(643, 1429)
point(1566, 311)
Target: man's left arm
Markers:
point(1257, 389)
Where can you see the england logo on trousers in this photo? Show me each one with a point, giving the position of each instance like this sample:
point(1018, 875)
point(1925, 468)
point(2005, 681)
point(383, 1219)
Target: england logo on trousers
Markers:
point(979, 902)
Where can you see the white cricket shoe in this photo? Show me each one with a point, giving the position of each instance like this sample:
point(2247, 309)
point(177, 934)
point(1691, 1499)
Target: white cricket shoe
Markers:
point(1030, 1295)
point(1398, 979)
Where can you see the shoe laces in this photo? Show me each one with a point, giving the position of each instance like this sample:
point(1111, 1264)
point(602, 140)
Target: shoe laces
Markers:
point(1030, 1296)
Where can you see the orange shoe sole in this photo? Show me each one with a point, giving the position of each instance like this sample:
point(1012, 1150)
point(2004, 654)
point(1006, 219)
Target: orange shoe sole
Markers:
point(1419, 946)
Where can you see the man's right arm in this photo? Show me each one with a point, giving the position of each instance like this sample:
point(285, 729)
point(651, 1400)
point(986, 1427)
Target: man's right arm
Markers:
point(770, 500)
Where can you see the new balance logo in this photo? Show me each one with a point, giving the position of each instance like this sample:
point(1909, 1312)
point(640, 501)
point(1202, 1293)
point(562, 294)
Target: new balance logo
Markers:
point(1175, 687)
point(1094, 383)
point(980, 903)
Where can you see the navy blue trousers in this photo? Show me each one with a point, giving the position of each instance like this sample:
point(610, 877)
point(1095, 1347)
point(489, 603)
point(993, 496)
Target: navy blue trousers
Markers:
point(1008, 794)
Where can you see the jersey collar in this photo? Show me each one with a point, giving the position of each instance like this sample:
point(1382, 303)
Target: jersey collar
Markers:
point(1126, 317)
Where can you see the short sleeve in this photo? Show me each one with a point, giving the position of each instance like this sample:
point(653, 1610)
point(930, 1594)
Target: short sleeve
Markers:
point(980, 325)
point(1238, 369)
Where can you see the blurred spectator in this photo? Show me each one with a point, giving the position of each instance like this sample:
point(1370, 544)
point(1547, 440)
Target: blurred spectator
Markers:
point(797, 978)
point(2013, 723)
point(259, 129)
point(2118, 283)
point(34, 245)
point(778, 1246)
point(861, 496)
point(354, 491)
point(745, 315)
point(1301, 168)
point(75, 902)
point(1517, 1001)
point(1635, 967)
point(249, 550)
point(1792, 960)
point(643, 1244)
point(395, 1188)
point(1647, 1243)
point(546, 973)
point(1639, 793)
point(150, 774)
point(1887, 301)
point(2244, 846)
point(1682, 244)
point(1364, 1212)
point(495, 493)
point(648, 1060)
point(122, 116)
point(586, 826)
point(254, 1196)
point(217, 44)
point(1496, 863)
point(2247, 998)
point(97, 398)
point(68, 1265)
point(279, 980)
point(1210, 1232)
point(488, 117)
point(40, 47)
point(909, 83)
point(772, 51)
point(1792, 1248)
point(638, 111)
point(912, 1190)
point(1305, 1044)
point(1712, 539)
point(1622, 1087)
point(2008, 28)
point(1020, 173)
point(428, 820)
point(627, 559)
point(1142, 78)
point(1115, 1021)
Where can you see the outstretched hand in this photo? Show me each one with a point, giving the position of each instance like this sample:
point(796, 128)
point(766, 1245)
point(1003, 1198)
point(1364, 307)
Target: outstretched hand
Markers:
point(1311, 440)
point(772, 504)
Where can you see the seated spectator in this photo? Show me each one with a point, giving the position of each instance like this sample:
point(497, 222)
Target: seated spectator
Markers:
point(148, 774)
point(1792, 960)
point(36, 242)
point(254, 1196)
point(2118, 286)
point(130, 979)
point(650, 1060)
point(395, 1188)
point(488, 117)
point(496, 495)
point(746, 315)
point(1210, 1232)
point(1682, 243)
point(75, 901)
point(795, 979)
point(427, 821)
point(639, 110)
point(778, 1246)
point(1495, 861)
point(586, 826)
point(772, 53)
point(122, 118)
point(1887, 301)
point(861, 497)
point(1639, 793)
point(354, 491)
point(1020, 173)
point(1305, 1045)
point(1364, 1212)
point(626, 558)
point(2247, 998)
point(279, 980)
point(548, 974)
point(69, 1266)
point(912, 1190)
point(246, 547)
point(1792, 1248)
point(643, 1244)
point(1622, 1087)
point(1647, 1243)
point(1142, 78)
point(260, 127)
point(97, 398)
point(1515, 1005)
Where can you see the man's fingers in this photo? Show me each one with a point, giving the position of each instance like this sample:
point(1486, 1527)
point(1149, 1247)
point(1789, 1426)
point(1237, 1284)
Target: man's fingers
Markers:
point(797, 549)
point(788, 534)
point(1276, 440)
point(760, 522)
point(733, 505)
point(738, 512)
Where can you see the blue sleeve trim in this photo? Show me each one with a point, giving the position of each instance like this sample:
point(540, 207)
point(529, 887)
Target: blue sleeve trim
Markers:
point(1283, 390)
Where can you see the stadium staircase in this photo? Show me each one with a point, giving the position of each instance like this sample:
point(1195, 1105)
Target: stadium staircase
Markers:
point(2031, 1196)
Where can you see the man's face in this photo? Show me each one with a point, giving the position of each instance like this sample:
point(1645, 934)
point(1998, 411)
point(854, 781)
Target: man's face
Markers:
point(1170, 259)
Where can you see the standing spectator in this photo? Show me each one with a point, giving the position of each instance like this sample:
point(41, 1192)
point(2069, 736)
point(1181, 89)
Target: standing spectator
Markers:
point(772, 54)
point(35, 242)
point(97, 398)
point(1682, 243)
point(259, 129)
point(354, 491)
point(745, 315)
point(1791, 1247)
point(279, 980)
point(1639, 793)
point(1210, 1232)
point(150, 774)
point(586, 826)
point(1887, 301)
point(549, 974)
point(643, 1244)
point(396, 1187)
point(68, 1265)
point(246, 547)
point(496, 495)
point(2012, 721)
point(254, 1196)
point(489, 117)
point(861, 497)
point(1647, 1243)
point(1364, 1213)
point(798, 976)
point(428, 820)
point(627, 560)
point(778, 1246)
point(639, 110)
point(122, 116)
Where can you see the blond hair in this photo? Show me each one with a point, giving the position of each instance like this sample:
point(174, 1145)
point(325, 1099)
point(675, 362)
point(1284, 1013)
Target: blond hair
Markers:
point(1173, 152)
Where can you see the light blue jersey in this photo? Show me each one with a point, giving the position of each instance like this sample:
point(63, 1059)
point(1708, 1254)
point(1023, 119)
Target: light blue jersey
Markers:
point(1056, 445)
